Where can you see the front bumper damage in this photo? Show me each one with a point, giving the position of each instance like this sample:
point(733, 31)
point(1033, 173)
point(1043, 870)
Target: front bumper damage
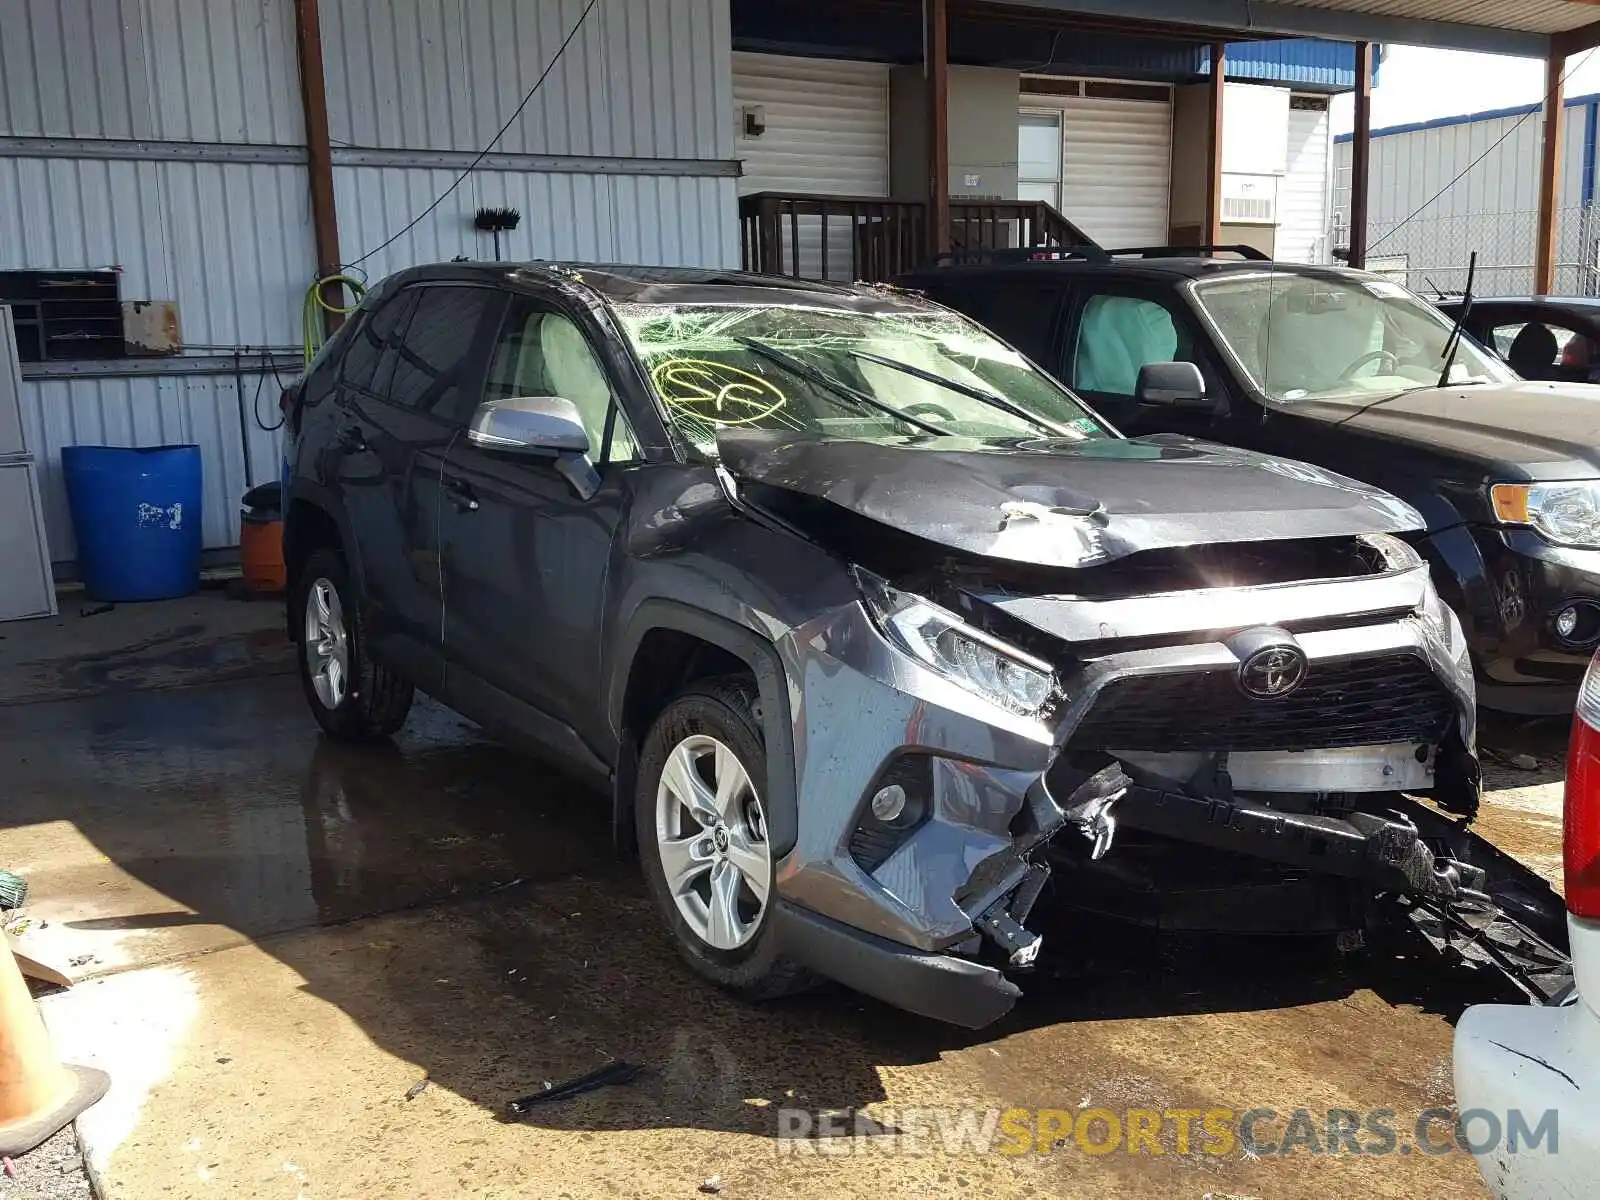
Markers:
point(935, 919)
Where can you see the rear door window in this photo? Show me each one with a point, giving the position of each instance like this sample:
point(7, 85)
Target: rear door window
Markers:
point(1023, 314)
point(434, 366)
point(370, 357)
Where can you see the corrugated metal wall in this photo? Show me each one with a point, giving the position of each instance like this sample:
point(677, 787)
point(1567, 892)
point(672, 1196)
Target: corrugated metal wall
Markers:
point(644, 91)
point(1491, 209)
point(640, 107)
point(155, 411)
point(160, 70)
point(230, 242)
point(668, 220)
point(643, 78)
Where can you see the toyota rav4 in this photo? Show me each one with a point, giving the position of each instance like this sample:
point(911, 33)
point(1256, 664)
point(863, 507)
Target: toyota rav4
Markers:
point(851, 610)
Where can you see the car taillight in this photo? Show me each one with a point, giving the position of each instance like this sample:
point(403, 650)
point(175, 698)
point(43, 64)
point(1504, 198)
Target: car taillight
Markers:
point(1581, 820)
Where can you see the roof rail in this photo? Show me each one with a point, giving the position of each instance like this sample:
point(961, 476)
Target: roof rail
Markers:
point(1243, 251)
point(1019, 254)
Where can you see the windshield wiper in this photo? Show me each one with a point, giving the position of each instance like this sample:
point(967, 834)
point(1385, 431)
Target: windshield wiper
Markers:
point(1453, 342)
point(963, 389)
point(837, 386)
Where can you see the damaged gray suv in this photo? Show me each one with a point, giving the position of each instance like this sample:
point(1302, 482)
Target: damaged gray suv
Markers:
point(865, 623)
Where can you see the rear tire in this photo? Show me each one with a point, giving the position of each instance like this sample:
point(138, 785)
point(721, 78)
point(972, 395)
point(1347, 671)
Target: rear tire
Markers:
point(719, 908)
point(352, 698)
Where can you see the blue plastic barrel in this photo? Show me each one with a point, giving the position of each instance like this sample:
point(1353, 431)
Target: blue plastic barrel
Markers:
point(136, 515)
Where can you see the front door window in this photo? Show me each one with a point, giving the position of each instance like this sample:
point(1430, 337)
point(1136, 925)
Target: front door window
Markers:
point(1117, 336)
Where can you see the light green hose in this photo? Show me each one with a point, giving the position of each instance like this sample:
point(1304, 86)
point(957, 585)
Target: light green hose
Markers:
point(316, 304)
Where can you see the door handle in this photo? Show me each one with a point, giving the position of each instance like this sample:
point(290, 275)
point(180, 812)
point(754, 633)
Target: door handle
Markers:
point(461, 494)
point(351, 440)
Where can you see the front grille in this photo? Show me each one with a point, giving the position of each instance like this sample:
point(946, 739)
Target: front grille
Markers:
point(1365, 702)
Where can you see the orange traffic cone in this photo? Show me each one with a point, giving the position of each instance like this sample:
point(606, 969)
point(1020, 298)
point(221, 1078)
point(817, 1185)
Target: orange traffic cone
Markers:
point(38, 1096)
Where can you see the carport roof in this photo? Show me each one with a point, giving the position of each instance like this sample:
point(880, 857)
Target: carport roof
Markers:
point(1522, 27)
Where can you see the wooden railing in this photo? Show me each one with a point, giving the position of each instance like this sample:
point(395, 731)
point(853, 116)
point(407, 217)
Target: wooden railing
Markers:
point(850, 238)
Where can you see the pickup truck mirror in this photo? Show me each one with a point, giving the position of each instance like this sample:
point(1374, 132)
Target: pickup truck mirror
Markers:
point(538, 427)
point(1171, 385)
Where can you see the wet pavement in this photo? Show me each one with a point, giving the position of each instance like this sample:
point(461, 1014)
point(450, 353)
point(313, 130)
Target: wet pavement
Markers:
point(281, 937)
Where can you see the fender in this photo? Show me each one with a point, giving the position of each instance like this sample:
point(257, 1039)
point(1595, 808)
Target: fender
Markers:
point(323, 499)
point(782, 805)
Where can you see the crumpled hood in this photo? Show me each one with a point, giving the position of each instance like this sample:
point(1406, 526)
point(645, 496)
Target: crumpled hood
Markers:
point(1063, 503)
point(1550, 429)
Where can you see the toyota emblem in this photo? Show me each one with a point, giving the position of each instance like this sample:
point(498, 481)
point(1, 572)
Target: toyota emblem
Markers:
point(1273, 672)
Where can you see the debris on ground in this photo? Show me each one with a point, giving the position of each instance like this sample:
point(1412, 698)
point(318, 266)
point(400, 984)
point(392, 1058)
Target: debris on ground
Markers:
point(96, 610)
point(51, 1171)
point(613, 1073)
point(13, 890)
point(81, 960)
point(1524, 762)
point(711, 1186)
point(416, 1089)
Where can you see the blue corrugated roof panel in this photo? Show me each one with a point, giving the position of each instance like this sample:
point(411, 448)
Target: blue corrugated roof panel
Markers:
point(1326, 66)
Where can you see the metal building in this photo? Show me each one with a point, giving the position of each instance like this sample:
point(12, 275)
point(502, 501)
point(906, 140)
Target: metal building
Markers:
point(163, 141)
point(1444, 188)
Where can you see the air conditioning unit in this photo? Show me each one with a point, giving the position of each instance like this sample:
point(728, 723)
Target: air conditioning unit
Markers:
point(1249, 199)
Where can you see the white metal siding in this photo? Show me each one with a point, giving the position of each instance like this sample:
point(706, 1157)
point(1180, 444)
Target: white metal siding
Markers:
point(1303, 219)
point(657, 219)
point(642, 78)
point(1117, 168)
point(230, 242)
point(1409, 168)
point(827, 125)
point(167, 70)
point(1423, 213)
point(154, 411)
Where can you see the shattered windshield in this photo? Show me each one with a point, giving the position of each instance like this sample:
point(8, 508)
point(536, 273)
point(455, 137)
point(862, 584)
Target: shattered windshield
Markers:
point(1301, 337)
point(844, 374)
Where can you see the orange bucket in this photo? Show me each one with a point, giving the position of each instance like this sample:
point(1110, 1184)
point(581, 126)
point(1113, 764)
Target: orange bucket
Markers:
point(261, 553)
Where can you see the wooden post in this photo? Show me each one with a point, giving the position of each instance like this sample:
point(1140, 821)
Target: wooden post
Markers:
point(937, 66)
point(319, 151)
point(1544, 249)
point(1361, 156)
point(1219, 73)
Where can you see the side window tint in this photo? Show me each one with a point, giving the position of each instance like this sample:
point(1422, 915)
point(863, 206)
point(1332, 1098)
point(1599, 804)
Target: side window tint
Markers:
point(1022, 315)
point(377, 333)
point(434, 360)
point(546, 354)
point(1117, 336)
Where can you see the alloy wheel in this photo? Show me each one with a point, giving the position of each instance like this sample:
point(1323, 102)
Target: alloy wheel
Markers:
point(327, 644)
point(711, 836)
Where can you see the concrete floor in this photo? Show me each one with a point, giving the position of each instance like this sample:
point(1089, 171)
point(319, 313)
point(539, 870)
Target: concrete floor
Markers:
point(281, 937)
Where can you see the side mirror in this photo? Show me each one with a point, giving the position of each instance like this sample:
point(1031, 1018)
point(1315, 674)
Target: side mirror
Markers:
point(1171, 385)
point(544, 426)
point(538, 427)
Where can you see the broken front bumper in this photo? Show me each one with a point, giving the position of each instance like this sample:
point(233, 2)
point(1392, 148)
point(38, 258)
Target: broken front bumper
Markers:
point(965, 872)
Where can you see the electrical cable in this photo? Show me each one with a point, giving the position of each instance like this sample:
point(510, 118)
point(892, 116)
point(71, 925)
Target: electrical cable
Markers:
point(484, 153)
point(1488, 151)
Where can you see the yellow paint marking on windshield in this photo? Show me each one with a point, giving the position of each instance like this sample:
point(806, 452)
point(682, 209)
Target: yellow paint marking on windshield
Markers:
point(716, 392)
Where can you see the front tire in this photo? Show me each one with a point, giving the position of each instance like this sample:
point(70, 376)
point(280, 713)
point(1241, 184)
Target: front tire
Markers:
point(352, 698)
point(701, 822)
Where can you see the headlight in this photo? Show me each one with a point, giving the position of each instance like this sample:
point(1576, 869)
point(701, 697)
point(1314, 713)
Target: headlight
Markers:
point(975, 660)
point(1567, 514)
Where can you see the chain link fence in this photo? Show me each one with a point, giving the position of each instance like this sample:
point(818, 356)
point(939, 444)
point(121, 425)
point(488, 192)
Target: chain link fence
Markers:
point(1430, 254)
